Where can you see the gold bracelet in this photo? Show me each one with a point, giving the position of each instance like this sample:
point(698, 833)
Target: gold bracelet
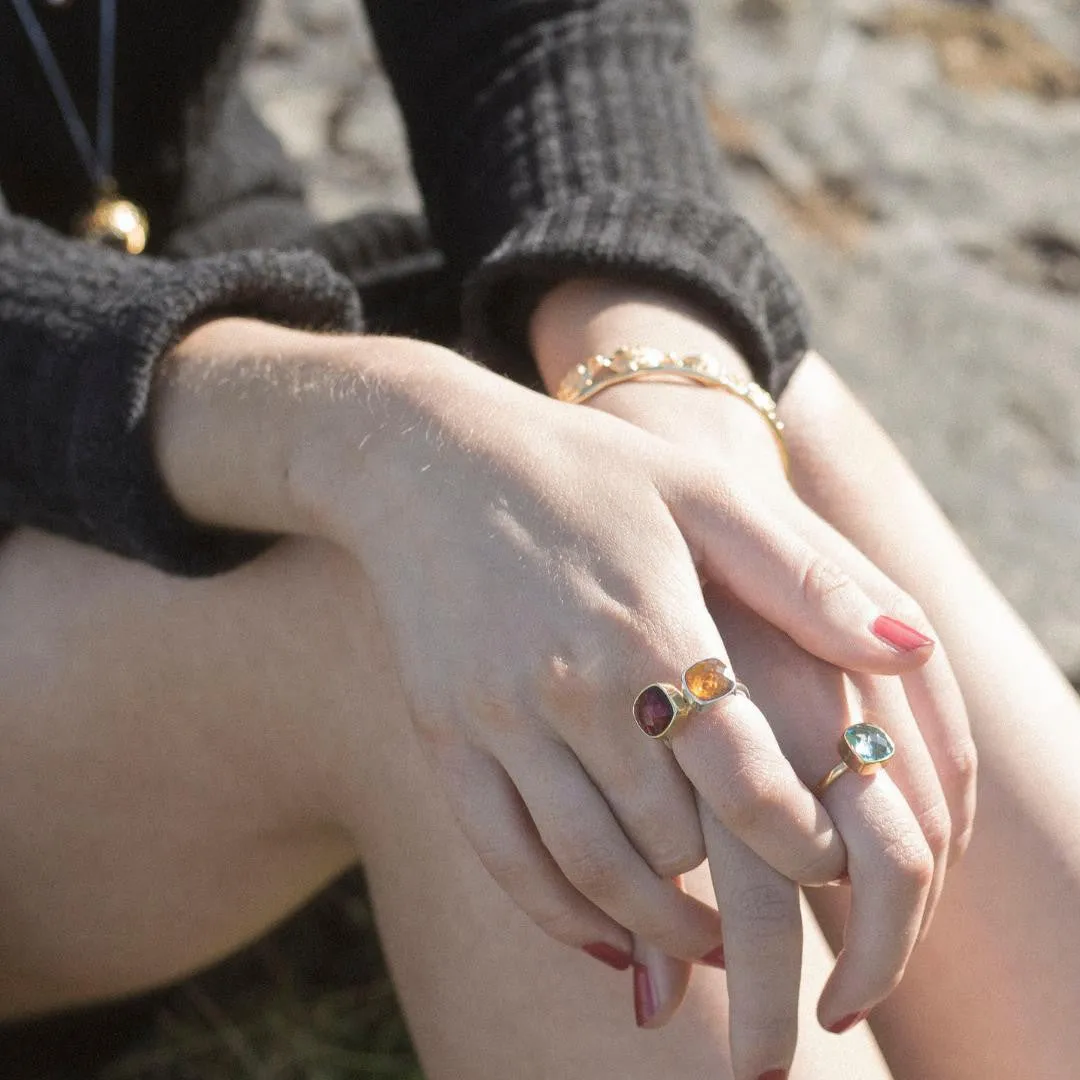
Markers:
point(643, 362)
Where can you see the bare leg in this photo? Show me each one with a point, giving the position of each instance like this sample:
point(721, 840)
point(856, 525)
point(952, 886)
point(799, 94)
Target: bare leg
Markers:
point(995, 989)
point(186, 761)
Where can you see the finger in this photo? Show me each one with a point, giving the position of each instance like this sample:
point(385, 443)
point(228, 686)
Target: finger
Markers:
point(731, 756)
point(883, 702)
point(660, 984)
point(891, 871)
point(763, 950)
point(748, 547)
point(935, 701)
point(650, 796)
point(806, 689)
point(939, 709)
point(491, 814)
point(579, 830)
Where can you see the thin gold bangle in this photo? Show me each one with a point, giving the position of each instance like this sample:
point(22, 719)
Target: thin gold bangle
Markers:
point(644, 362)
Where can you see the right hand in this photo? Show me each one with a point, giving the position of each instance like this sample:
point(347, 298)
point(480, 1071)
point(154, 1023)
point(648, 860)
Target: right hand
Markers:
point(532, 565)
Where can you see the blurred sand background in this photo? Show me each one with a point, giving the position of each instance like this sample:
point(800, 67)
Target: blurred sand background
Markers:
point(916, 164)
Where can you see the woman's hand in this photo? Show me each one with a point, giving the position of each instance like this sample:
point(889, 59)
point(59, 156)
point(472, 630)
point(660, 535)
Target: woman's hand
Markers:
point(533, 564)
point(934, 770)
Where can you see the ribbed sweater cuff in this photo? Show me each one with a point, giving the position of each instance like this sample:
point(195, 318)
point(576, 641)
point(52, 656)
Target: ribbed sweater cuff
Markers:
point(122, 500)
point(700, 250)
point(91, 331)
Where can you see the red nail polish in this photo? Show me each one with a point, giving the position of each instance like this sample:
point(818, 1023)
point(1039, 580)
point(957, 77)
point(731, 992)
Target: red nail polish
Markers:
point(774, 1074)
point(714, 958)
point(846, 1022)
point(644, 1001)
point(608, 954)
point(899, 635)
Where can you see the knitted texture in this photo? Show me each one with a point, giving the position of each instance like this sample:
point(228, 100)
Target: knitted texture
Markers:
point(77, 355)
point(554, 137)
point(550, 138)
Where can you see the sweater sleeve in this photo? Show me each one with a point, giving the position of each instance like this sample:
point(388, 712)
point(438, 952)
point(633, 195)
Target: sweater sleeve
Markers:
point(558, 137)
point(81, 329)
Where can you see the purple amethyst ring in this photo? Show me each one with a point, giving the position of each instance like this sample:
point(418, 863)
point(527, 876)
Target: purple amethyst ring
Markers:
point(660, 706)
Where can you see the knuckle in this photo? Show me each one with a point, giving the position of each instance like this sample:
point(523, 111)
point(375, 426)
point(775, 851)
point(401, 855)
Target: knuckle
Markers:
point(755, 802)
point(513, 873)
point(663, 823)
point(557, 922)
point(822, 579)
point(963, 762)
point(671, 862)
point(822, 868)
point(591, 869)
point(562, 685)
point(912, 862)
point(936, 824)
point(764, 909)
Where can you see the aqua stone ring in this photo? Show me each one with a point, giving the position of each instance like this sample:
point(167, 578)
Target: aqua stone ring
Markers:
point(864, 748)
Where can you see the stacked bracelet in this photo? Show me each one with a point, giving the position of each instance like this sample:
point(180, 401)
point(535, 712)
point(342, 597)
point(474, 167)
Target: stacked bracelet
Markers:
point(641, 362)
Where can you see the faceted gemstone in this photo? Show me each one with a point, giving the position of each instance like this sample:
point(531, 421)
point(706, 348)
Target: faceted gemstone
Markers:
point(597, 365)
point(653, 711)
point(708, 680)
point(869, 744)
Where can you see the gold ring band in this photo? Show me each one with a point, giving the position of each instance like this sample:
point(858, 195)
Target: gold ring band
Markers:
point(864, 748)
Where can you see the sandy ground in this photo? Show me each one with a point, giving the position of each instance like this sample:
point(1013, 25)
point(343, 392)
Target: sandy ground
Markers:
point(918, 167)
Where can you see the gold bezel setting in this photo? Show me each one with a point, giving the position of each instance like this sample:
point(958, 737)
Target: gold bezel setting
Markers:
point(865, 748)
point(649, 713)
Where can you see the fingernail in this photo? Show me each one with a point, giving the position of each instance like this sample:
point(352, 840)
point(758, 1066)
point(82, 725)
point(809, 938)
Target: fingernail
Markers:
point(715, 958)
point(644, 999)
point(899, 635)
point(846, 1022)
point(774, 1074)
point(608, 954)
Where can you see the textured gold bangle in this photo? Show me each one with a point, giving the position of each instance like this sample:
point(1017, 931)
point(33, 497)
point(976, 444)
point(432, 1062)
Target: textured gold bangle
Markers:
point(643, 362)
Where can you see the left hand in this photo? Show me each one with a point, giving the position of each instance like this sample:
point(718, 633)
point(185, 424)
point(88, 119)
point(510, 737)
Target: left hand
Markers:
point(925, 714)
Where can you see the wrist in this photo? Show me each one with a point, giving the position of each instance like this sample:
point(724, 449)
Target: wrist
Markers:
point(263, 428)
point(583, 317)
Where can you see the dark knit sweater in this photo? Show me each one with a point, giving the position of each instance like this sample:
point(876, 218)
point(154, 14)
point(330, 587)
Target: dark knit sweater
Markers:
point(549, 138)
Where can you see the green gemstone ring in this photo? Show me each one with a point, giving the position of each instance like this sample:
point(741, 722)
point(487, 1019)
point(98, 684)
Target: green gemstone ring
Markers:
point(864, 748)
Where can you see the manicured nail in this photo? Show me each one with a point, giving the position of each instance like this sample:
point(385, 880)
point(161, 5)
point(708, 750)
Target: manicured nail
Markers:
point(608, 954)
point(847, 1021)
point(774, 1074)
point(899, 635)
point(715, 958)
point(644, 999)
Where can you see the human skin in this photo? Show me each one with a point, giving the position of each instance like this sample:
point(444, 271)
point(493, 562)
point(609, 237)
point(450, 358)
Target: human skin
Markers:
point(414, 462)
point(584, 317)
point(143, 857)
point(426, 478)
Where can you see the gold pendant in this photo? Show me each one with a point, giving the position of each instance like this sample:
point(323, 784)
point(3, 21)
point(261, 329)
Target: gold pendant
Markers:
point(117, 223)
